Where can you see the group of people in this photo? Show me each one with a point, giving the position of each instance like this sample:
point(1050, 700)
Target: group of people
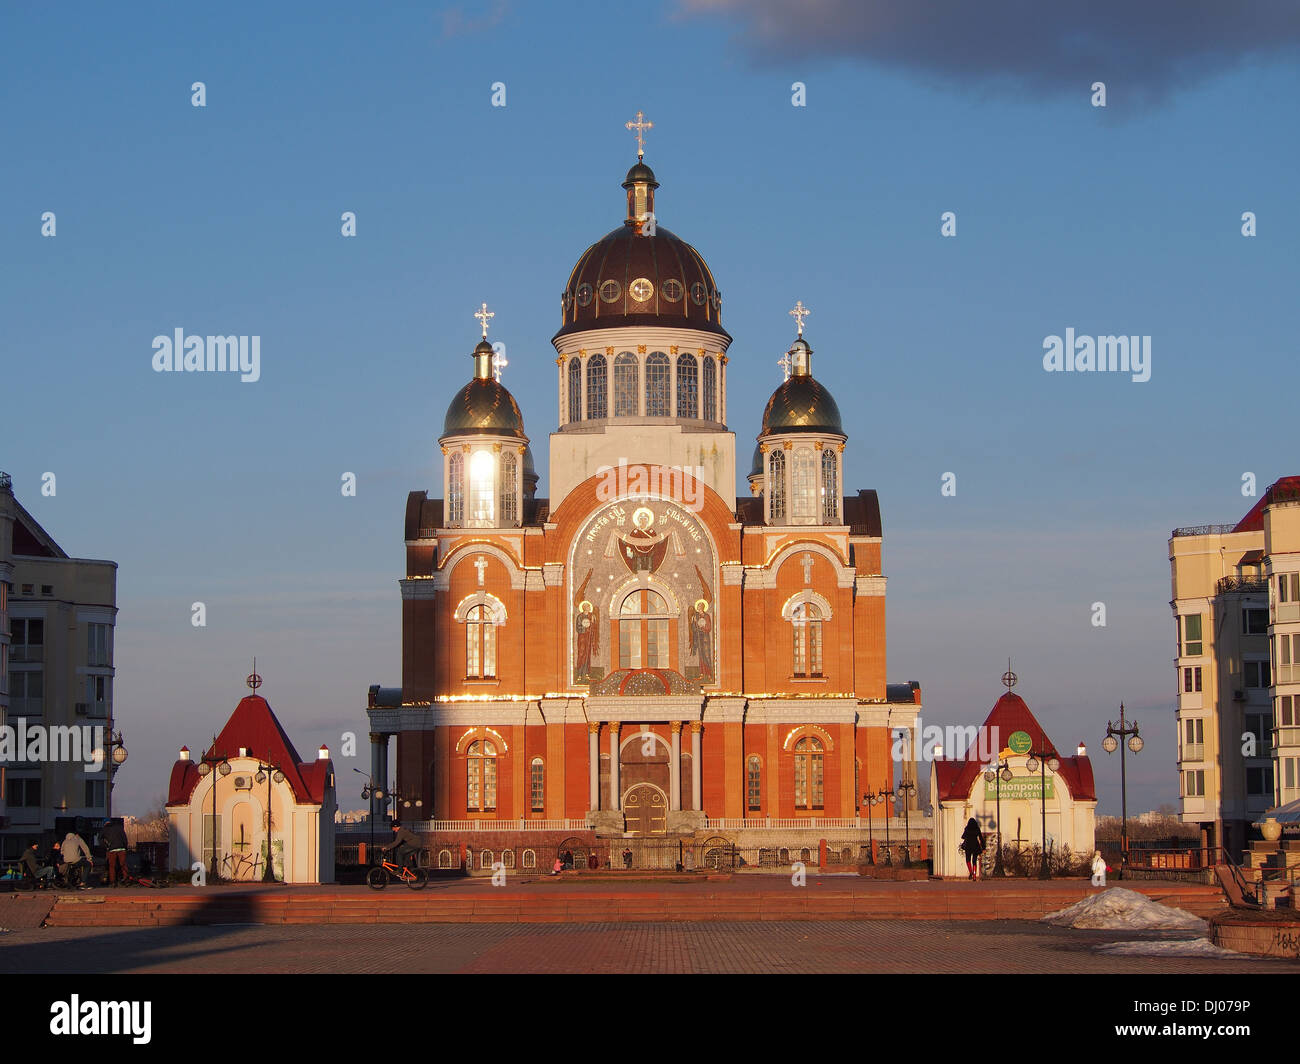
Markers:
point(72, 861)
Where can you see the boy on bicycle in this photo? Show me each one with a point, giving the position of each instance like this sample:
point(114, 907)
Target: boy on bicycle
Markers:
point(404, 847)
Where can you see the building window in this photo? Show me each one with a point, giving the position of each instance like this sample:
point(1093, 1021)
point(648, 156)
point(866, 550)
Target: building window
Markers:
point(1254, 622)
point(710, 389)
point(1260, 726)
point(1257, 674)
point(480, 644)
point(508, 858)
point(830, 488)
point(1193, 739)
point(584, 294)
point(537, 785)
point(99, 695)
point(1288, 587)
point(509, 489)
point(530, 859)
point(1192, 635)
point(1288, 712)
point(97, 644)
point(1260, 780)
point(754, 783)
point(27, 693)
point(1191, 679)
point(96, 791)
point(643, 631)
point(456, 489)
point(806, 618)
point(481, 777)
point(485, 859)
point(27, 639)
point(482, 488)
point(808, 773)
point(610, 291)
point(597, 396)
point(627, 394)
point(672, 290)
point(658, 394)
point(1194, 784)
point(688, 387)
point(22, 793)
point(803, 488)
point(575, 389)
point(444, 858)
point(776, 485)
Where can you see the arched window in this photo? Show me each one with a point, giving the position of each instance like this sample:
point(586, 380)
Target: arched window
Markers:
point(627, 394)
point(658, 395)
point(643, 632)
point(508, 858)
point(575, 389)
point(710, 390)
point(456, 489)
point(485, 859)
point(480, 644)
point(537, 787)
point(803, 487)
point(754, 782)
point(808, 773)
point(482, 488)
point(830, 488)
point(807, 620)
point(530, 859)
point(444, 858)
point(688, 387)
point(509, 488)
point(481, 777)
point(597, 388)
point(776, 485)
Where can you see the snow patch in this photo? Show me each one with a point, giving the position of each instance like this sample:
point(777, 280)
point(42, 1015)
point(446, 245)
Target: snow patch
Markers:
point(1194, 947)
point(1118, 909)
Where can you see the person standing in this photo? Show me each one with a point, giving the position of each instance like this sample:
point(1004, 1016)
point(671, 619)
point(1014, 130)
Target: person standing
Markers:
point(114, 838)
point(972, 845)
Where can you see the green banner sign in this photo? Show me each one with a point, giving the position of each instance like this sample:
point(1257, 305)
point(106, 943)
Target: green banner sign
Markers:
point(1019, 789)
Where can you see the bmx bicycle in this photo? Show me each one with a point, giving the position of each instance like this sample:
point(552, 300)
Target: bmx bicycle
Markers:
point(380, 876)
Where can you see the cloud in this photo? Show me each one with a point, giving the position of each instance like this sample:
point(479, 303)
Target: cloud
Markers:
point(1142, 50)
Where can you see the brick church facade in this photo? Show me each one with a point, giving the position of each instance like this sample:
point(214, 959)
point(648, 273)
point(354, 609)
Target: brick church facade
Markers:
point(642, 654)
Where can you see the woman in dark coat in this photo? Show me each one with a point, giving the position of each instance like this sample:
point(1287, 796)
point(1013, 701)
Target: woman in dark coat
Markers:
point(972, 844)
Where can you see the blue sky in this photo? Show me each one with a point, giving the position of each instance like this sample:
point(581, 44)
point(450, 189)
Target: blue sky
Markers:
point(225, 219)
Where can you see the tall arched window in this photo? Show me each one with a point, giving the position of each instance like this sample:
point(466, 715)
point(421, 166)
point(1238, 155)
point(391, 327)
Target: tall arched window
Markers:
point(536, 785)
point(658, 393)
point(776, 485)
point(688, 387)
point(643, 631)
point(627, 393)
point(597, 388)
point(509, 489)
point(807, 620)
point(480, 644)
point(754, 782)
point(830, 488)
point(710, 390)
point(803, 484)
point(482, 489)
point(575, 389)
point(456, 489)
point(808, 773)
point(481, 777)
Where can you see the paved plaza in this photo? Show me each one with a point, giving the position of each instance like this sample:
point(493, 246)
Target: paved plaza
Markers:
point(899, 946)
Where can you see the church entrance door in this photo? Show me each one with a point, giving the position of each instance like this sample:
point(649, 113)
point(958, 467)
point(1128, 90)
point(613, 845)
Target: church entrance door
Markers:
point(646, 810)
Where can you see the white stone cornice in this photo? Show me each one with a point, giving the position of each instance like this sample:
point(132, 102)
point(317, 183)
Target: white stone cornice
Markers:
point(870, 585)
point(553, 574)
point(534, 580)
point(629, 337)
point(893, 714)
point(802, 711)
point(733, 573)
point(724, 710)
point(644, 709)
point(420, 587)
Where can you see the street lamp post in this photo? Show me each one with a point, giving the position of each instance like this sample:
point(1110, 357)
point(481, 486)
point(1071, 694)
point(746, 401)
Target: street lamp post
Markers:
point(266, 773)
point(372, 794)
point(1040, 761)
point(997, 776)
point(1114, 734)
point(871, 800)
point(114, 752)
point(906, 790)
point(886, 796)
point(206, 765)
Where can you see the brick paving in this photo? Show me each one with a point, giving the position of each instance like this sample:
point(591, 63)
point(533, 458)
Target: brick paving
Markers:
point(860, 946)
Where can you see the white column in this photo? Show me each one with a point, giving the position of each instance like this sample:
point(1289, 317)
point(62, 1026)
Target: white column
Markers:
point(696, 775)
point(675, 768)
point(614, 798)
point(593, 772)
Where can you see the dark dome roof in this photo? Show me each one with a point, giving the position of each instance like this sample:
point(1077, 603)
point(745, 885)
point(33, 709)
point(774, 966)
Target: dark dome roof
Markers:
point(530, 467)
point(640, 172)
point(756, 466)
point(801, 404)
point(682, 292)
point(484, 407)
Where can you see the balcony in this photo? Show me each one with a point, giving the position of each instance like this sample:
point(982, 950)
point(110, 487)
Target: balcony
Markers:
point(1192, 752)
point(1286, 736)
point(1286, 674)
point(1242, 585)
point(1202, 530)
point(1285, 612)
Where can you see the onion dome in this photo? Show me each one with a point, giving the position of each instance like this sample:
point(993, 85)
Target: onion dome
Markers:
point(483, 407)
point(756, 466)
point(801, 404)
point(641, 274)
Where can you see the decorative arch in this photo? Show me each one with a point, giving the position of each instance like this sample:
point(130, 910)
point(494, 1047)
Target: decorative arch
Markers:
point(640, 736)
point(465, 550)
point(496, 608)
point(491, 734)
point(795, 734)
point(634, 583)
point(807, 595)
point(780, 557)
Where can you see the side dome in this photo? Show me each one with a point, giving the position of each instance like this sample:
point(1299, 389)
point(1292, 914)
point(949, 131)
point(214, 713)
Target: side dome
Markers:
point(484, 407)
point(756, 466)
point(801, 404)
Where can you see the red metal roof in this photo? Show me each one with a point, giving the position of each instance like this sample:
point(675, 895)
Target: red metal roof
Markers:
point(954, 779)
point(1286, 487)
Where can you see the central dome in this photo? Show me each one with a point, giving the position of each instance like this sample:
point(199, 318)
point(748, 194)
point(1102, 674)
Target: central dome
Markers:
point(632, 276)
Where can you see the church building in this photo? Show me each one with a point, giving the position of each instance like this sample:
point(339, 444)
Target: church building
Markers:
point(642, 653)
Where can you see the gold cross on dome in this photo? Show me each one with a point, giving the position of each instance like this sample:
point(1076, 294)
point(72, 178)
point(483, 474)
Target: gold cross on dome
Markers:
point(785, 362)
point(799, 313)
point(640, 127)
point(484, 316)
point(499, 362)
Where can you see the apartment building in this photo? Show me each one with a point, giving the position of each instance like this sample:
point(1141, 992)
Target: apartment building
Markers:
point(57, 616)
point(1236, 604)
